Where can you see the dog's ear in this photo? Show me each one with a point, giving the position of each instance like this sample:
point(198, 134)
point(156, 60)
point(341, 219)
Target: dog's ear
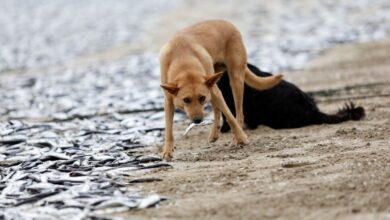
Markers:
point(170, 87)
point(212, 79)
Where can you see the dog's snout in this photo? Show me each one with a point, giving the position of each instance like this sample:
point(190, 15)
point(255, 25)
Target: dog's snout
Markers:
point(197, 119)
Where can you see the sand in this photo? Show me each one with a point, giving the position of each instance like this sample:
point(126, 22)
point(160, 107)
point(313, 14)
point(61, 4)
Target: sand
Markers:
point(317, 172)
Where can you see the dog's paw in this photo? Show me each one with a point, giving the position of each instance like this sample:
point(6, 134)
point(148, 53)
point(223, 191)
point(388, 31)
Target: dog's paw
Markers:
point(241, 140)
point(167, 151)
point(213, 137)
point(167, 155)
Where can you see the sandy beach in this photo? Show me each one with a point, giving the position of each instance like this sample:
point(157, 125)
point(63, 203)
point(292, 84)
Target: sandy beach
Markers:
point(317, 172)
point(80, 79)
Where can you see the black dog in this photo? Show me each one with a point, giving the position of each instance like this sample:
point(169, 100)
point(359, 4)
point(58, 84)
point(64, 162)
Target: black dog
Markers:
point(283, 106)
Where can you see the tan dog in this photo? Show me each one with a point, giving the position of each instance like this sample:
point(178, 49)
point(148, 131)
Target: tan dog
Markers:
point(187, 65)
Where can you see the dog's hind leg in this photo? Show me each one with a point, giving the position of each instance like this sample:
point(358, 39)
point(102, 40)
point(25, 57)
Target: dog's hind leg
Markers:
point(214, 133)
point(237, 85)
point(217, 100)
point(236, 61)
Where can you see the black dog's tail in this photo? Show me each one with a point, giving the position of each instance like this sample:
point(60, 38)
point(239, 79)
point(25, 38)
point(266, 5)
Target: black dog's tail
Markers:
point(348, 112)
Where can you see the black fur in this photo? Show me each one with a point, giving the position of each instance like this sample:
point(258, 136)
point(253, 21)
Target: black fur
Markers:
point(283, 106)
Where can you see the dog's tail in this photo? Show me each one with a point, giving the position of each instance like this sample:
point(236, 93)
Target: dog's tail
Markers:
point(261, 83)
point(348, 112)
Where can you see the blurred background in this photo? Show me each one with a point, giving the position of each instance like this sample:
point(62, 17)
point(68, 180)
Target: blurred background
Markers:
point(280, 34)
point(67, 57)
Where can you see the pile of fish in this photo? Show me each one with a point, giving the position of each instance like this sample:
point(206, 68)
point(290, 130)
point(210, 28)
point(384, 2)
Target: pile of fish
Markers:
point(285, 35)
point(281, 35)
point(42, 33)
point(128, 85)
point(72, 170)
point(71, 140)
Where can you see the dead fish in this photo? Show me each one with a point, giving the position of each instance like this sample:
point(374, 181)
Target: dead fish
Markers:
point(145, 180)
point(105, 185)
point(26, 165)
point(106, 162)
point(63, 180)
point(9, 176)
point(41, 143)
point(40, 187)
point(155, 166)
point(78, 173)
point(127, 146)
point(148, 159)
point(192, 125)
point(9, 163)
point(11, 140)
point(15, 188)
point(36, 197)
point(116, 203)
point(106, 147)
point(2, 186)
point(54, 156)
point(102, 157)
point(149, 201)
point(6, 131)
point(35, 177)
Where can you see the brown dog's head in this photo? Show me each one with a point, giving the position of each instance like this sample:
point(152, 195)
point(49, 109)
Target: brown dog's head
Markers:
point(191, 91)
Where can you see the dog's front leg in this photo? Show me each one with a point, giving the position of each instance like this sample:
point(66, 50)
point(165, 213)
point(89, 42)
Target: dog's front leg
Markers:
point(239, 135)
point(214, 133)
point(169, 108)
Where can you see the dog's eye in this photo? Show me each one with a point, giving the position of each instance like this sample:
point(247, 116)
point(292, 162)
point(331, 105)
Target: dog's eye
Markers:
point(202, 98)
point(187, 100)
